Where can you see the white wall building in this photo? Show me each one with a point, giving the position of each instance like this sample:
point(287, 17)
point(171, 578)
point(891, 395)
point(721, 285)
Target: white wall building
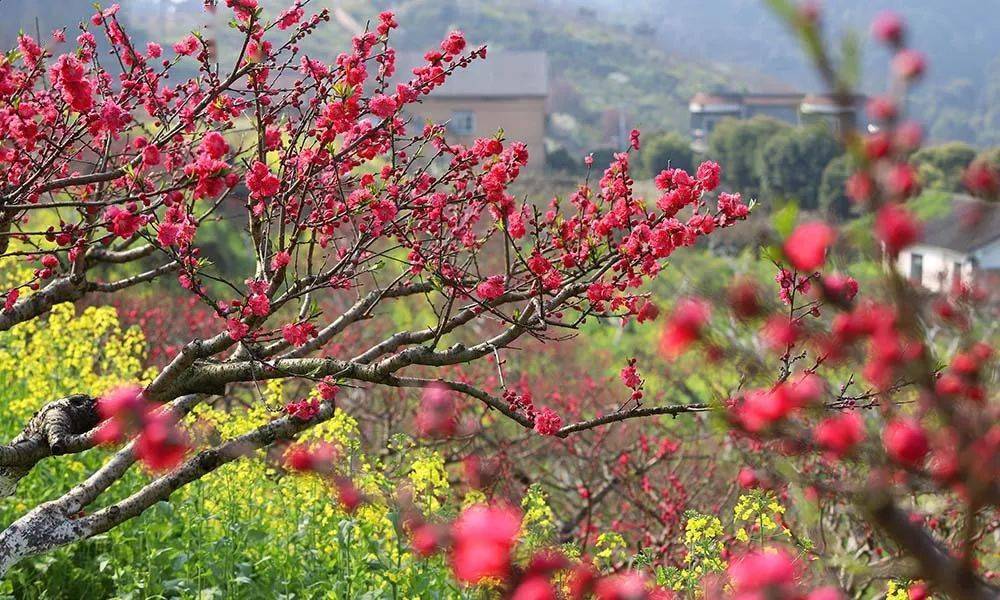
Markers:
point(963, 246)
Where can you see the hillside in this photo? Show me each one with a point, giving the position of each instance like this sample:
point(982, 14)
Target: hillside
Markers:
point(959, 100)
point(598, 70)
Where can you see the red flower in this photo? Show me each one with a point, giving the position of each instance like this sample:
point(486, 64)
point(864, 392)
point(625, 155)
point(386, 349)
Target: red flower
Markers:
point(484, 537)
point(888, 28)
point(882, 108)
point(454, 43)
point(626, 586)
point(780, 333)
point(859, 187)
point(709, 174)
point(426, 539)
point(436, 416)
point(67, 76)
point(685, 326)
point(747, 478)
point(981, 179)
point(150, 156)
point(327, 388)
point(304, 409)
point(534, 587)
point(214, 145)
point(839, 289)
point(763, 574)
point(318, 458)
point(492, 288)
point(189, 45)
point(906, 442)
point(290, 16)
point(280, 259)
point(839, 435)
point(828, 593)
point(159, 443)
point(261, 182)
point(896, 228)
point(547, 421)
point(237, 329)
point(382, 106)
point(902, 180)
point(11, 299)
point(122, 222)
point(909, 64)
point(298, 334)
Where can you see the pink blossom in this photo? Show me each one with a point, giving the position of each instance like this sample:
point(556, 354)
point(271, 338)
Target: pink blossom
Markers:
point(483, 539)
point(261, 182)
point(807, 246)
point(906, 442)
point(382, 106)
point(491, 288)
point(187, 46)
point(840, 434)
point(547, 421)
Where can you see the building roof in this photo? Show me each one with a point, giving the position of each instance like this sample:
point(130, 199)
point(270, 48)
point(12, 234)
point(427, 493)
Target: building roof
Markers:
point(502, 74)
point(704, 100)
point(970, 225)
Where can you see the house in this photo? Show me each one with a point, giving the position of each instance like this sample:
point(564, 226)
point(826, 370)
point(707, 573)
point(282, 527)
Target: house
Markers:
point(707, 109)
point(961, 247)
point(508, 90)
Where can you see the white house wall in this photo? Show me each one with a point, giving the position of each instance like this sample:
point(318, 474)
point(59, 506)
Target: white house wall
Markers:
point(937, 261)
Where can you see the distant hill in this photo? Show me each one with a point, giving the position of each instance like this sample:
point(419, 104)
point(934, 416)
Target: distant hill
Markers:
point(959, 100)
point(598, 70)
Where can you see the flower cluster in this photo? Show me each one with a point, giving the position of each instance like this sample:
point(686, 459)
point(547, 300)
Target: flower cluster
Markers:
point(159, 443)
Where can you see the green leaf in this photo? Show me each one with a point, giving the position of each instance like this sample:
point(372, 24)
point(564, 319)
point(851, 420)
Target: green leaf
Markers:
point(784, 220)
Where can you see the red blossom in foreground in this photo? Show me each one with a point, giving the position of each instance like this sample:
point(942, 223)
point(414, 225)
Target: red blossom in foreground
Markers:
point(484, 537)
point(159, 443)
point(766, 573)
point(437, 416)
point(897, 228)
point(806, 247)
point(981, 179)
point(318, 457)
point(839, 435)
point(906, 442)
point(685, 326)
point(888, 28)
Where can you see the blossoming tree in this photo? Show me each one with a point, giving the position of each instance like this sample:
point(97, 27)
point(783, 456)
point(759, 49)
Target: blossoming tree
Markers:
point(109, 174)
point(112, 173)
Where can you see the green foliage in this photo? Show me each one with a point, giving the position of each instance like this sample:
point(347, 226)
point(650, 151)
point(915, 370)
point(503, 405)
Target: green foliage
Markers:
point(666, 149)
point(941, 166)
point(791, 164)
point(735, 144)
point(833, 200)
point(596, 69)
point(248, 530)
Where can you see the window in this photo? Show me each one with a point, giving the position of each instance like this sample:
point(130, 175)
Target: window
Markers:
point(463, 122)
point(917, 267)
